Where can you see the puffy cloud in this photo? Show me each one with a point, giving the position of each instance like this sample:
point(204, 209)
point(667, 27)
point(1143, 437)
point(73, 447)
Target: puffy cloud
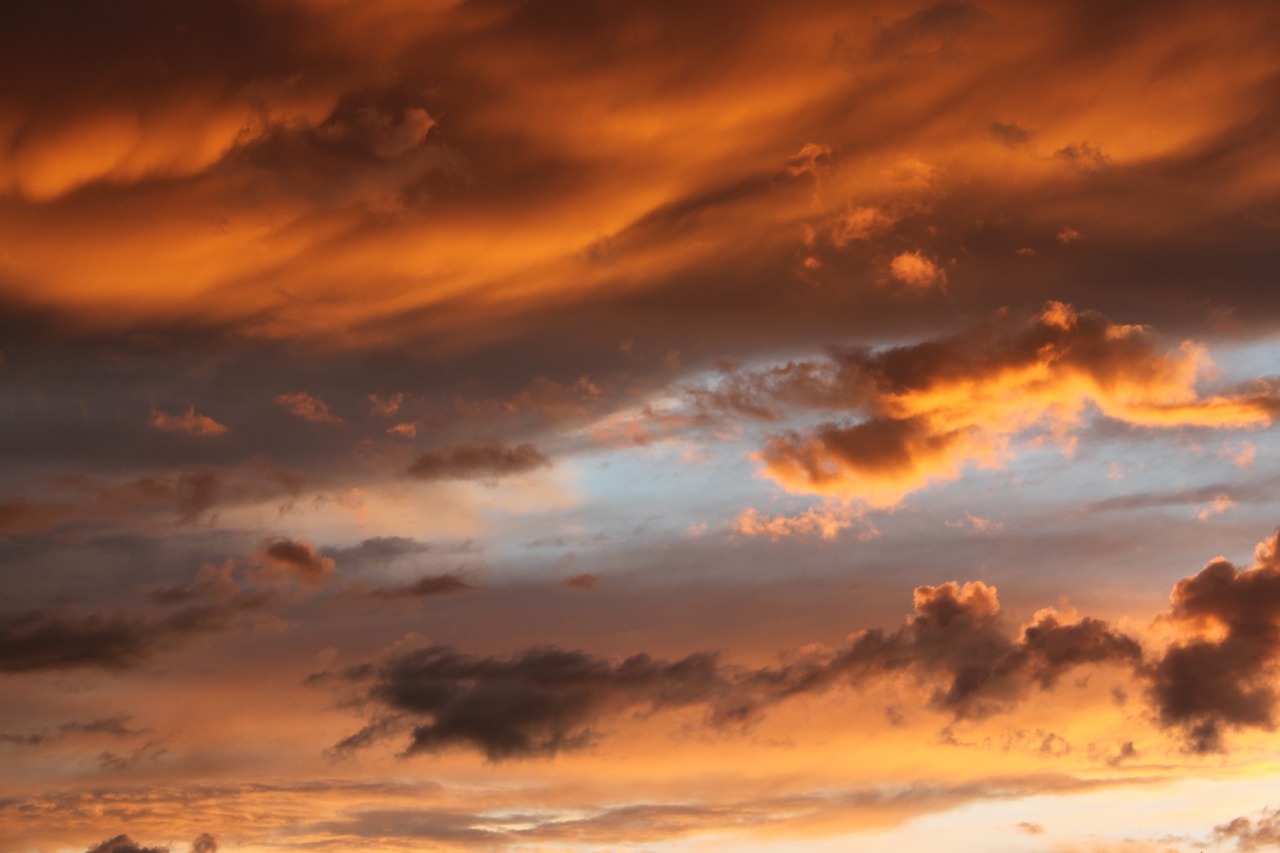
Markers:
point(1010, 134)
point(63, 639)
point(916, 271)
point(1260, 833)
point(956, 643)
point(203, 843)
point(298, 559)
point(124, 844)
point(1222, 676)
point(477, 462)
point(932, 408)
point(424, 587)
point(308, 407)
point(546, 700)
point(826, 520)
point(25, 517)
point(188, 422)
point(538, 703)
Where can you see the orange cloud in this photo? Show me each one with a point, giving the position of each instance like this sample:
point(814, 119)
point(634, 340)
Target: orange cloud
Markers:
point(188, 422)
point(308, 407)
point(827, 520)
point(916, 271)
point(935, 407)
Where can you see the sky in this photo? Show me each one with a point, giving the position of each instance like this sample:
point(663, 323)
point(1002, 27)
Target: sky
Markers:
point(530, 426)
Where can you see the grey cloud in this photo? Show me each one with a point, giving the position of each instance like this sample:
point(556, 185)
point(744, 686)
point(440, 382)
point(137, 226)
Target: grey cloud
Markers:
point(477, 462)
point(546, 700)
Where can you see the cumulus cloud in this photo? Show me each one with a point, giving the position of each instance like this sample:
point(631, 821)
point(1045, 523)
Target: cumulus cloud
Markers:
point(1222, 675)
point(477, 462)
point(124, 844)
point(1009, 134)
point(297, 559)
point(826, 520)
point(546, 700)
point(1260, 833)
point(203, 843)
point(931, 408)
point(424, 587)
point(66, 639)
point(307, 407)
point(916, 271)
point(220, 596)
point(1218, 674)
point(188, 422)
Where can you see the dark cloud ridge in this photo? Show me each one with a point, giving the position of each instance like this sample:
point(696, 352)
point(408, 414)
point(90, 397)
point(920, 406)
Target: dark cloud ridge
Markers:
point(546, 700)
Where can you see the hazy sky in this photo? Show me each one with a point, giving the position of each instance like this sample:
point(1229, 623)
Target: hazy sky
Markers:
point(590, 425)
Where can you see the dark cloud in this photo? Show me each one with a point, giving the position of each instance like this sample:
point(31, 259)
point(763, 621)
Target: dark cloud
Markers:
point(1206, 684)
point(546, 700)
point(931, 30)
point(1260, 833)
point(585, 581)
point(928, 409)
point(124, 844)
point(50, 639)
point(54, 638)
point(298, 559)
point(424, 587)
point(204, 843)
point(1010, 135)
point(113, 726)
point(538, 703)
point(385, 549)
point(477, 462)
point(23, 518)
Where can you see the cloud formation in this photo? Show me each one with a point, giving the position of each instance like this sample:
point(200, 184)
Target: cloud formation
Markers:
point(188, 422)
point(929, 409)
point(546, 700)
point(477, 462)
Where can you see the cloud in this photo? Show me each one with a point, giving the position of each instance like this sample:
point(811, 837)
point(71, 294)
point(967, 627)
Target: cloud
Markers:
point(1218, 674)
point(203, 843)
point(308, 407)
point(586, 582)
point(1222, 675)
point(931, 408)
point(385, 549)
point(538, 703)
point(931, 30)
point(23, 517)
point(425, 587)
point(298, 559)
point(124, 844)
point(547, 700)
point(188, 422)
point(477, 462)
point(1260, 833)
point(56, 638)
point(1010, 135)
point(63, 639)
point(826, 520)
point(916, 271)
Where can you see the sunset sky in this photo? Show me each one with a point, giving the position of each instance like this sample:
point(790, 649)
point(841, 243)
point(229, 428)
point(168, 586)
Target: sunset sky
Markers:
point(585, 425)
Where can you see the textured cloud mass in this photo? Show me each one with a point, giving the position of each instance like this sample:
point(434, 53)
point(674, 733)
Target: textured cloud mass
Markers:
point(514, 424)
point(931, 408)
point(477, 461)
